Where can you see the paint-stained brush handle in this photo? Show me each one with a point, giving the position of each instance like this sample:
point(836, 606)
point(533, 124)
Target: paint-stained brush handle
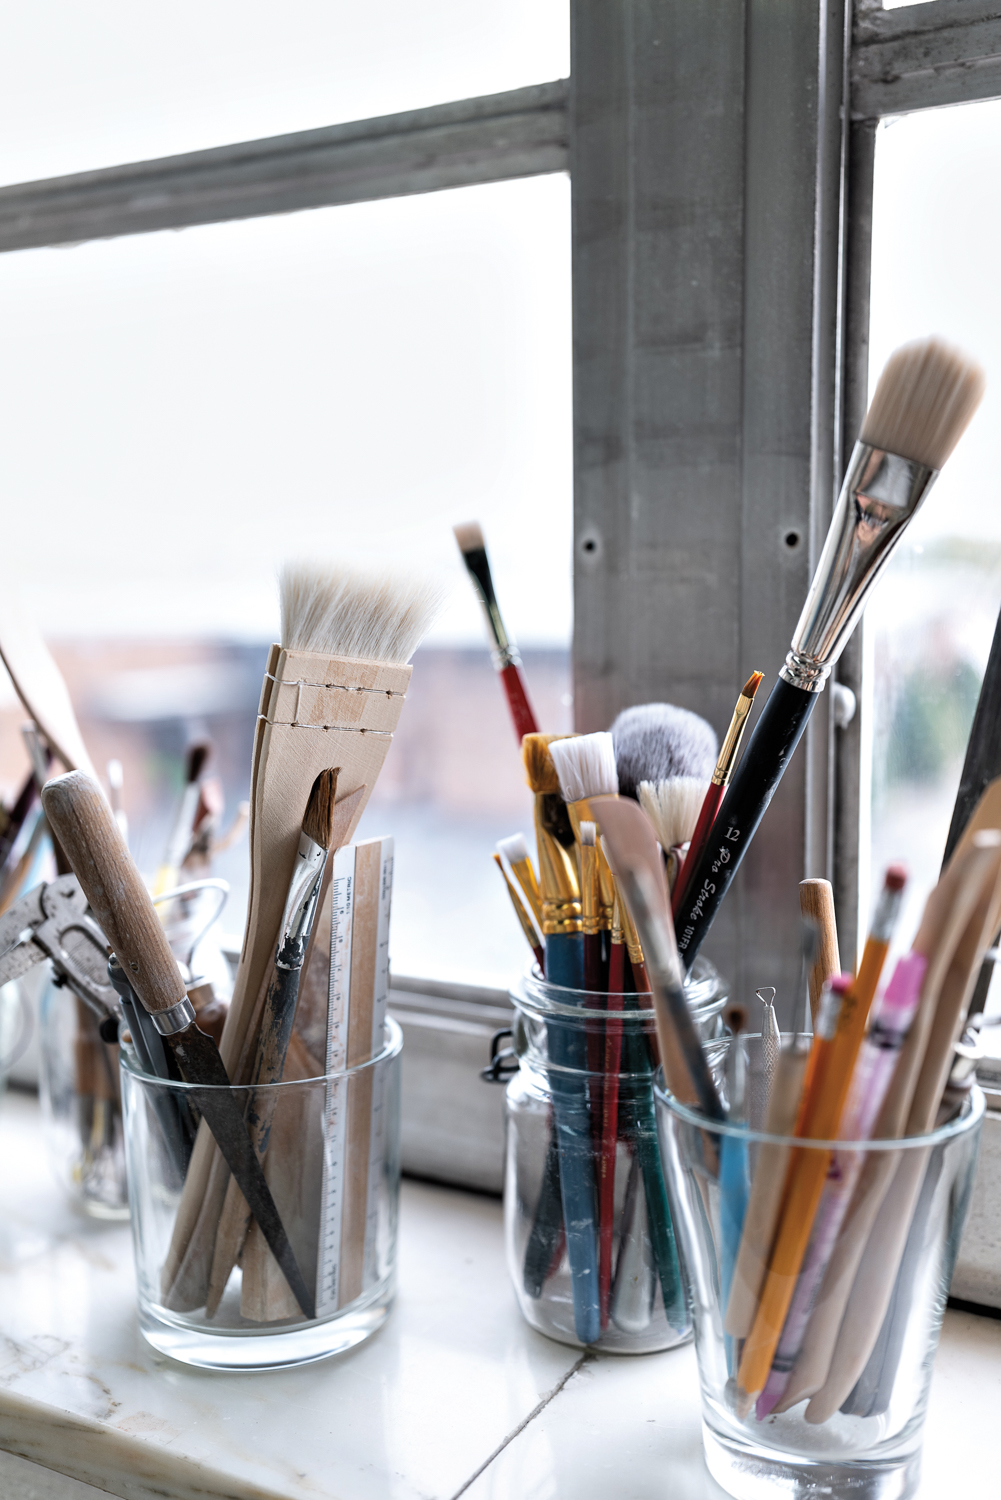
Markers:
point(85, 826)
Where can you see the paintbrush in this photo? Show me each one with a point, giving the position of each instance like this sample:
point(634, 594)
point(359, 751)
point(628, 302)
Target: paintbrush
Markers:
point(925, 398)
point(321, 831)
point(195, 759)
point(658, 741)
point(515, 850)
point(506, 657)
point(524, 920)
point(718, 784)
point(561, 930)
point(585, 768)
point(635, 858)
point(332, 694)
point(39, 684)
point(816, 904)
point(673, 809)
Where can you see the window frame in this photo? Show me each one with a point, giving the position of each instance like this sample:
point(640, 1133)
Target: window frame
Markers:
point(721, 166)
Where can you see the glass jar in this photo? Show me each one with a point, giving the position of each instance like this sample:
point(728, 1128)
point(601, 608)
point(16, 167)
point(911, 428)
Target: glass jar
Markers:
point(843, 1404)
point(333, 1166)
point(588, 1230)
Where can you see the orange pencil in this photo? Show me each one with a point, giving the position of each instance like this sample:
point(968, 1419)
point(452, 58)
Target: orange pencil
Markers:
point(840, 1030)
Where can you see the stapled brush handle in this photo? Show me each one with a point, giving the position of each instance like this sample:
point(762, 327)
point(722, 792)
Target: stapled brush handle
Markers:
point(769, 750)
point(85, 826)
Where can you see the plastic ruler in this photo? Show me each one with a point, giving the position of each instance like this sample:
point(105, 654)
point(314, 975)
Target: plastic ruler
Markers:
point(377, 1137)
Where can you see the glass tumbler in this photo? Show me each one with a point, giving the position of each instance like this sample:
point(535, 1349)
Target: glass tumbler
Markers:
point(332, 1163)
point(842, 1408)
point(588, 1230)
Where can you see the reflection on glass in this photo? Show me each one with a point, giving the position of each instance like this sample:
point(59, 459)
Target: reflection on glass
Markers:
point(929, 626)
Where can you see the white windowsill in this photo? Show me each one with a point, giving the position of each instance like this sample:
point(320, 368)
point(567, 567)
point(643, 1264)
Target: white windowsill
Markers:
point(417, 1412)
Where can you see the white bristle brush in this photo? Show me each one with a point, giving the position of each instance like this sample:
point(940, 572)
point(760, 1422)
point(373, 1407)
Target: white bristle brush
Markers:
point(515, 850)
point(347, 634)
point(673, 807)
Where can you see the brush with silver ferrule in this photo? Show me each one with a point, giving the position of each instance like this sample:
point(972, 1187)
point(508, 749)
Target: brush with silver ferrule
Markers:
point(925, 398)
point(508, 661)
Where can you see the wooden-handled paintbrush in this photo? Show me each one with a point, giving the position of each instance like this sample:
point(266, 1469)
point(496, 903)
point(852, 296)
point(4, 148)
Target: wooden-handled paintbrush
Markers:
point(923, 403)
point(195, 759)
point(332, 695)
point(506, 657)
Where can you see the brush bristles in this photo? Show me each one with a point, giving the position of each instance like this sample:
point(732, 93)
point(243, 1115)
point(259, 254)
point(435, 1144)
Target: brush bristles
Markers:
point(751, 685)
point(318, 819)
point(657, 741)
point(376, 615)
point(585, 766)
point(514, 849)
point(673, 807)
point(470, 537)
point(923, 403)
point(539, 769)
point(195, 760)
point(588, 833)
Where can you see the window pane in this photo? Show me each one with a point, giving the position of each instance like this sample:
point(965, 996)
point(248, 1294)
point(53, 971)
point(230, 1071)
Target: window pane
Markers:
point(183, 411)
point(84, 86)
point(931, 620)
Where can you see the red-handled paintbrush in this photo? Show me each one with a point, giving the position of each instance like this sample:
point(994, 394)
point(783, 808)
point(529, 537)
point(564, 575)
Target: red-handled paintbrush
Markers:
point(506, 657)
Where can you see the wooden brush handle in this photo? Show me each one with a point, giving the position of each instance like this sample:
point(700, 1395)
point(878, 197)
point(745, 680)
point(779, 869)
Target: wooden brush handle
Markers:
point(85, 827)
point(816, 902)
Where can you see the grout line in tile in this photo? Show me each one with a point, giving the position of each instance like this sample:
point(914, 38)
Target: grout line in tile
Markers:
point(549, 1396)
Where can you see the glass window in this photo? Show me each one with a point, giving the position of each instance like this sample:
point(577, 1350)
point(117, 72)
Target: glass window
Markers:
point(929, 627)
point(182, 411)
point(85, 86)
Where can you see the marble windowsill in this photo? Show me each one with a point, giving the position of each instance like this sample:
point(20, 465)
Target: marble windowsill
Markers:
point(454, 1396)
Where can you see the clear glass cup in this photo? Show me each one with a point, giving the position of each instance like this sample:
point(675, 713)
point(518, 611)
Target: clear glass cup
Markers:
point(582, 1134)
point(333, 1166)
point(860, 1432)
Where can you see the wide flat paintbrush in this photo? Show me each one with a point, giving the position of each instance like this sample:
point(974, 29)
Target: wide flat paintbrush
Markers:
point(332, 695)
point(718, 784)
point(506, 657)
point(925, 398)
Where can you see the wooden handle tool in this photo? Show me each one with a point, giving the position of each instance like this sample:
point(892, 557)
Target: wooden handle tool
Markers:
point(816, 902)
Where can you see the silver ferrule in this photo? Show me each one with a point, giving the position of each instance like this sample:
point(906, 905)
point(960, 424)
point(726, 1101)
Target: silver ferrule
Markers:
point(880, 495)
point(300, 904)
point(175, 1018)
point(506, 656)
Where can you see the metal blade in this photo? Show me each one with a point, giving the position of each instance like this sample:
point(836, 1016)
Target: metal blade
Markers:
point(24, 913)
point(19, 959)
point(200, 1063)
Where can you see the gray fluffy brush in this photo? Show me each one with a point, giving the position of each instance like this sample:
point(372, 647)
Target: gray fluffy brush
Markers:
point(657, 741)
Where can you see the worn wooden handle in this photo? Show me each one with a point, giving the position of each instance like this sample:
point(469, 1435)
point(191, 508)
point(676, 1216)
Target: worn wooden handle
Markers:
point(816, 902)
point(85, 826)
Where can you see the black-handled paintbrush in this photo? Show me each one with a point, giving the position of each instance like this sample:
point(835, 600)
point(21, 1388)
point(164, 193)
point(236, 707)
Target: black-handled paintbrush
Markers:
point(925, 398)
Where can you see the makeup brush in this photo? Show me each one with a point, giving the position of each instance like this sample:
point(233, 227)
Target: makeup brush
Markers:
point(524, 920)
point(720, 781)
point(925, 398)
point(506, 657)
point(515, 851)
point(195, 759)
point(332, 694)
point(658, 741)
